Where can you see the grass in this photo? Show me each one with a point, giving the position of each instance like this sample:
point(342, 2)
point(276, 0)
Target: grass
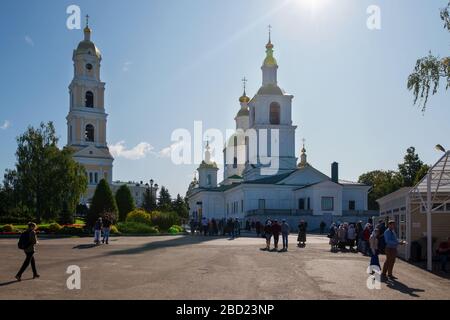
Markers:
point(42, 225)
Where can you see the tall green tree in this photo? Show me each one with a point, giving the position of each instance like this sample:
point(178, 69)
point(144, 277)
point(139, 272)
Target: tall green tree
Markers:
point(103, 202)
point(125, 202)
point(421, 174)
point(179, 206)
point(164, 200)
point(382, 182)
point(430, 70)
point(46, 176)
point(149, 203)
point(410, 167)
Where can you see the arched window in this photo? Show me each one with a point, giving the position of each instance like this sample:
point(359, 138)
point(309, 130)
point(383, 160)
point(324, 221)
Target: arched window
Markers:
point(89, 133)
point(235, 152)
point(89, 102)
point(274, 113)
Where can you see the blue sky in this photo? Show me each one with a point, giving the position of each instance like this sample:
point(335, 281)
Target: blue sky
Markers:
point(168, 63)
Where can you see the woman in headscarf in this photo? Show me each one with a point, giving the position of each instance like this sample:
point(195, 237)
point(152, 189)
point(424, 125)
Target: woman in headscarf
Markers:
point(302, 234)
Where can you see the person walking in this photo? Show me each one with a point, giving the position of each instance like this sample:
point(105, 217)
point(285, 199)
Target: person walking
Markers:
point(374, 248)
point(205, 224)
point(392, 243)
point(268, 233)
point(27, 242)
point(106, 230)
point(285, 230)
point(301, 239)
point(98, 231)
point(276, 230)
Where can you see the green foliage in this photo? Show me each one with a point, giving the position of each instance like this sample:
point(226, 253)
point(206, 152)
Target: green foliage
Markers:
point(114, 230)
point(125, 202)
point(102, 202)
point(430, 70)
point(175, 229)
point(164, 200)
point(66, 217)
point(410, 167)
point(164, 220)
point(45, 177)
point(179, 206)
point(71, 231)
point(149, 203)
point(382, 182)
point(139, 216)
point(421, 173)
point(136, 228)
point(8, 228)
point(54, 228)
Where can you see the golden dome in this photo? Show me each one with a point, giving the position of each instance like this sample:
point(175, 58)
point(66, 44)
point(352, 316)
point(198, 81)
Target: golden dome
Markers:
point(87, 30)
point(244, 99)
point(269, 45)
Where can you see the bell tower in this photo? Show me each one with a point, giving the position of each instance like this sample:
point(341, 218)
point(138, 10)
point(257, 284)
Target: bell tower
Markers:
point(86, 121)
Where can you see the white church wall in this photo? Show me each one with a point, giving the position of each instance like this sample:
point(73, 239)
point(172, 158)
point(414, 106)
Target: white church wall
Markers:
point(357, 194)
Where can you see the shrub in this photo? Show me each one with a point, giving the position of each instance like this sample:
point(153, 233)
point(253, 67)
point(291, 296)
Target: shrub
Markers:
point(139, 216)
point(8, 228)
point(164, 220)
point(71, 230)
point(54, 228)
point(114, 230)
point(136, 228)
point(175, 229)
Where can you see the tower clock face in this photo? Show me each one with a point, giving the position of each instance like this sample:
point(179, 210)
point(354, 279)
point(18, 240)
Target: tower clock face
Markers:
point(89, 66)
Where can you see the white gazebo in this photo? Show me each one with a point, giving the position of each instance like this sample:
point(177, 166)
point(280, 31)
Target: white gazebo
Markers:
point(431, 195)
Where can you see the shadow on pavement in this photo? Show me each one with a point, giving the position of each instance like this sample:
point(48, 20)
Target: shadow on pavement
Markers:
point(85, 246)
point(12, 282)
point(403, 288)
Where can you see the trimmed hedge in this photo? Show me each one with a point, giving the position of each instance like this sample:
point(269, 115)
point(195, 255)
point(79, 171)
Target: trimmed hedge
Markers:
point(165, 220)
point(175, 229)
point(136, 228)
point(7, 228)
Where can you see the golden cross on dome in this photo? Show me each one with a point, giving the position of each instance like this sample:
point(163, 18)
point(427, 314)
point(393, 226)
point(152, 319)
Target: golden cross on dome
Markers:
point(270, 32)
point(244, 81)
point(87, 20)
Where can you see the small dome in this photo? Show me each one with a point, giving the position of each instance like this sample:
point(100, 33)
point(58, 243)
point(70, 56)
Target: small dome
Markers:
point(244, 99)
point(269, 45)
point(88, 47)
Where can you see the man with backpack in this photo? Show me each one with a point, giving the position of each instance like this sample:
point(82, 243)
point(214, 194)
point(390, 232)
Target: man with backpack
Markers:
point(27, 241)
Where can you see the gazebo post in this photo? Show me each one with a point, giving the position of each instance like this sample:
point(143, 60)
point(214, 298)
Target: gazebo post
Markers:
point(429, 236)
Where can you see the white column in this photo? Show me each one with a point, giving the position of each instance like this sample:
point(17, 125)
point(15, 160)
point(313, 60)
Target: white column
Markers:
point(429, 236)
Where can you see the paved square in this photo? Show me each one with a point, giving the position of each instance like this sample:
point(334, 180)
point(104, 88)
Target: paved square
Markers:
point(185, 267)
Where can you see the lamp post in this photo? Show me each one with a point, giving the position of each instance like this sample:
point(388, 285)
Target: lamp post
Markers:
point(151, 190)
point(440, 148)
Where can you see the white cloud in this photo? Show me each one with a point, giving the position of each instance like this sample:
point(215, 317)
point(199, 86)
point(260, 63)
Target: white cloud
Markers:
point(126, 66)
point(167, 152)
point(29, 41)
point(140, 151)
point(6, 124)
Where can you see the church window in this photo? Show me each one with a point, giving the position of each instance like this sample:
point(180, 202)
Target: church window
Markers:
point(96, 178)
point(351, 205)
point(89, 133)
point(235, 152)
point(309, 204)
point(242, 205)
point(274, 113)
point(89, 101)
point(91, 179)
point(327, 203)
point(301, 204)
point(208, 179)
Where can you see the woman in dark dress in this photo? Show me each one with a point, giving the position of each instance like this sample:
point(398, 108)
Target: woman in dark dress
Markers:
point(302, 234)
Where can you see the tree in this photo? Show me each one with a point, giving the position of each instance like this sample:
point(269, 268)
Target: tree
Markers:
point(430, 70)
point(165, 200)
point(46, 176)
point(421, 173)
point(382, 182)
point(179, 206)
point(103, 202)
point(124, 201)
point(410, 167)
point(149, 203)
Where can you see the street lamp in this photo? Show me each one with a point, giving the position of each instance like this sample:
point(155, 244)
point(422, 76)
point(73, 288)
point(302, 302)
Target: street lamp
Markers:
point(151, 190)
point(440, 148)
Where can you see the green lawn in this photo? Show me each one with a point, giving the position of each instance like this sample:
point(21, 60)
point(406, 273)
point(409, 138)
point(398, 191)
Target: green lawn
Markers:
point(42, 225)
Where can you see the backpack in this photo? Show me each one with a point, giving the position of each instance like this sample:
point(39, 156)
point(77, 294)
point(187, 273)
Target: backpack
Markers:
point(24, 240)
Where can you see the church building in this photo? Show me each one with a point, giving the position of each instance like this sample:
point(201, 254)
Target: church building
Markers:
point(252, 189)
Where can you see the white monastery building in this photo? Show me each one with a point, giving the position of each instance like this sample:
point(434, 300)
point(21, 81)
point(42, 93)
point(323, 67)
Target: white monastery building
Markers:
point(252, 189)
